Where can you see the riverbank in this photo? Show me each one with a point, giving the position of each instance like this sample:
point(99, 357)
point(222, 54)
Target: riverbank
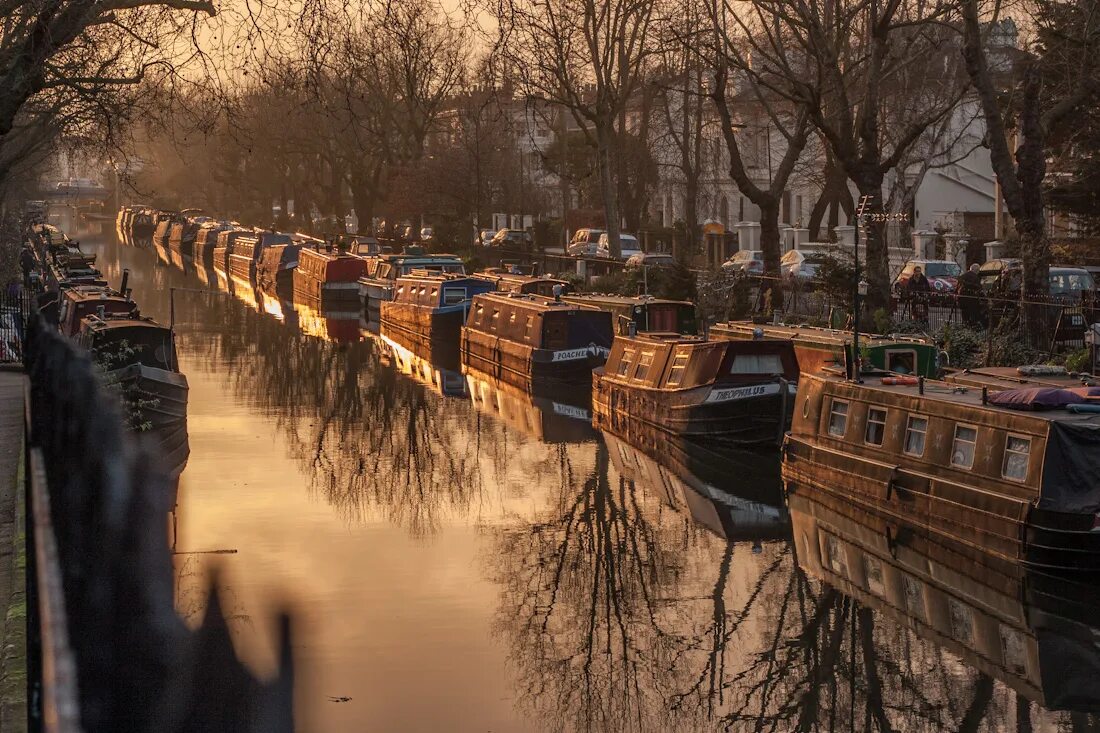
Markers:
point(13, 599)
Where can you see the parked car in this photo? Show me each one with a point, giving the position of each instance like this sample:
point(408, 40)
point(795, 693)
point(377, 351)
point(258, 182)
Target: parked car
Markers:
point(628, 245)
point(650, 259)
point(801, 268)
point(409, 233)
point(485, 237)
point(585, 242)
point(1072, 285)
point(511, 238)
point(943, 275)
point(745, 262)
point(427, 234)
point(1000, 276)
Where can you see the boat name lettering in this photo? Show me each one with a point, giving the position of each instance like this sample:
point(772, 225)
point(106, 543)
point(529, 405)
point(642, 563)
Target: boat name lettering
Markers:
point(742, 393)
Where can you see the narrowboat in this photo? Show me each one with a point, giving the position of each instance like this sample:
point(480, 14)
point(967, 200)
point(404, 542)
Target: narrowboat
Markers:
point(206, 241)
point(736, 495)
point(138, 356)
point(1031, 631)
point(508, 282)
point(730, 392)
point(826, 348)
point(162, 230)
point(246, 251)
point(428, 310)
point(377, 283)
point(1037, 375)
point(564, 417)
point(994, 470)
point(224, 246)
point(81, 301)
point(141, 222)
point(183, 233)
point(275, 270)
point(328, 276)
point(647, 313)
point(535, 342)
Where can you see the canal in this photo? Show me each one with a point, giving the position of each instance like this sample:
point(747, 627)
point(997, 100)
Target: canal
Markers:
point(458, 558)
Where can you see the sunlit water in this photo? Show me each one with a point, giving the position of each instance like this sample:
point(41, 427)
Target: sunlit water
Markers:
point(462, 564)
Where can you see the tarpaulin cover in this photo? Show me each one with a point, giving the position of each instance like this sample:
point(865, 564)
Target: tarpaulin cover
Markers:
point(1071, 469)
point(1035, 398)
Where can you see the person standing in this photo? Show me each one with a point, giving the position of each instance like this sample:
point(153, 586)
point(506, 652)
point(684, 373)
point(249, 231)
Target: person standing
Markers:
point(27, 262)
point(919, 288)
point(970, 292)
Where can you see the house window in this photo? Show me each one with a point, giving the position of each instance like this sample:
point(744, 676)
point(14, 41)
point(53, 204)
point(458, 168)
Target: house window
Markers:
point(528, 328)
point(1017, 456)
point(626, 361)
point(756, 364)
point(838, 418)
point(876, 426)
point(644, 363)
point(915, 431)
point(452, 296)
point(676, 372)
point(962, 449)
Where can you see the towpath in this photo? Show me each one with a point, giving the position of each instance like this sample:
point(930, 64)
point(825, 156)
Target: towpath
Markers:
point(13, 599)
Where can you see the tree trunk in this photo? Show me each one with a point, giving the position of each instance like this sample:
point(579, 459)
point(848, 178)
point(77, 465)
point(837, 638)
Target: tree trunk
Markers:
point(604, 135)
point(770, 246)
point(691, 214)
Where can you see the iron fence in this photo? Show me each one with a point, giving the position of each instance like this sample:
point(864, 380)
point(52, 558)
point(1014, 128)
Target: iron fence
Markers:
point(137, 667)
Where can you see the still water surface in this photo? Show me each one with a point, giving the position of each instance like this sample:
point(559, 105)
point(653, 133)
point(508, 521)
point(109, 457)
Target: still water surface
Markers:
point(457, 560)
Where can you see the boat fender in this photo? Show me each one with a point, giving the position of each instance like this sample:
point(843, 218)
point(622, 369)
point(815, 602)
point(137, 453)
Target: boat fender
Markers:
point(889, 381)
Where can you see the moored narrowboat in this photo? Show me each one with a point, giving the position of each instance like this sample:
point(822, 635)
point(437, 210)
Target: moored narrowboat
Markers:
point(206, 241)
point(508, 282)
point(532, 341)
point(79, 302)
point(248, 248)
point(428, 310)
point(138, 356)
point(331, 277)
point(224, 246)
point(826, 348)
point(1018, 483)
point(731, 392)
point(376, 286)
point(647, 313)
point(275, 269)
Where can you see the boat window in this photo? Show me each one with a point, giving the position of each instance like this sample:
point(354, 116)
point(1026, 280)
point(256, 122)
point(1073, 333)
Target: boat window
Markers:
point(452, 296)
point(400, 291)
point(962, 620)
point(872, 568)
point(1017, 456)
point(835, 556)
point(915, 431)
point(962, 450)
point(435, 294)
point(757, 364)
point(914, 598)
point(528, 328)
point(495, 318)
point(876, 426)
point(838, 418)
point(902, 362)
point(1014, 650)
point(480, 315)
point(676, 373)
point(626, 361)
point(644, 362)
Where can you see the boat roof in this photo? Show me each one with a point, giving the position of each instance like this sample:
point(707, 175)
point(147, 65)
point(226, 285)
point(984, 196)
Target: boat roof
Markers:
point(1014, 378)
point(833, 335)
point(624, 299)
point(947, 393)
point(93, 292)
point(95, 323)
point(537, 301)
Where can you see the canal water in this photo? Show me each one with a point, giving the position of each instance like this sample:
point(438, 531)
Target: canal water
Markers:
point(456, 557)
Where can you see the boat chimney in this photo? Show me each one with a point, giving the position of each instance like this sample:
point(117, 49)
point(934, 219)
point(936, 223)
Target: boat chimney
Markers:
point(985, 395)
point(557, 293)
point(125, 280)
point(129, 293)
point(920, 385)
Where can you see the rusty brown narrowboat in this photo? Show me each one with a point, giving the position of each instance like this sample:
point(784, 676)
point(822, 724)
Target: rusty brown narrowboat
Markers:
point(732, 392)
point(1023, 484)
point(247, 250)
point(647, 313)
point(535, 342)
point(510, 282)
point(275, 269)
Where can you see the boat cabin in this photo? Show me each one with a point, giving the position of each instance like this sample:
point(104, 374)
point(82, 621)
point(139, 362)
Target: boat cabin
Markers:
point(123, 340)
point(826, 348)
point(507, 282)
point(540, 322)
point(80, 302)
point(329, 266)
point(956, 460)
point(438, 291)
point(391, 267)
point(647, 313)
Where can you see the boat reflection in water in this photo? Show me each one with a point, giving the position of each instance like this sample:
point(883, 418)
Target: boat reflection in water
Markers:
point(734, 494)
point(341, 326)
point(1037, 634)
point(446, 382)
point(557, 419)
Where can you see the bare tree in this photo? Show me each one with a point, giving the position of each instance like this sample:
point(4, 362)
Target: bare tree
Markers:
point(586, 56)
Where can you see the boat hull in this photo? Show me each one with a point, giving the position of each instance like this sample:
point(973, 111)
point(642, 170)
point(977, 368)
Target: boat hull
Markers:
point(740, 415)
point(157, 397)
point(526, 367)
